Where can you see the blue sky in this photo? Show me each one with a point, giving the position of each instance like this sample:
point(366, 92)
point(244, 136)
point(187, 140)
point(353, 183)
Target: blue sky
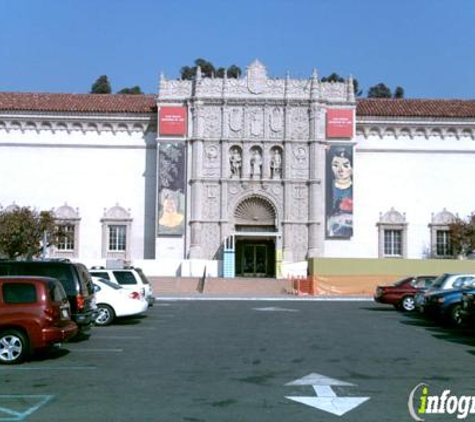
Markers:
point(425, 46)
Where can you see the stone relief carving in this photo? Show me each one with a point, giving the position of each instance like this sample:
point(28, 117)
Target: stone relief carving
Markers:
point(210, 241)
point(211, 167)
point(443, 218)
point(276, 123)
point(299, 208)
point(256, 78)
point(298, 88)
point(299, 235)
point(211, 205)
point(337, 91)
point(210, 87)
point(174, 88)
point(392, 217)
point(236, 119)
point(300, 125)
point(300, 161)
point(255, 123)
point(210, 122)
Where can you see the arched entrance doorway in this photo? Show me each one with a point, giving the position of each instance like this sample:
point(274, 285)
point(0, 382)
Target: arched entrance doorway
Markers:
point(255, 236)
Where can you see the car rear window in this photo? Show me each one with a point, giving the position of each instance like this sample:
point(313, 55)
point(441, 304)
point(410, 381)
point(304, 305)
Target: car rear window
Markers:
point(19, 293)
point(143, 277)
point(56, 292)
point(85, 281)
point(125, 277)
point(61, 272)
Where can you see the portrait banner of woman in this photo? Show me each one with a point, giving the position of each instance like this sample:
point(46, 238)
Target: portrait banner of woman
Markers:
point(171, 218)
point(171, 188)
point(339, 191)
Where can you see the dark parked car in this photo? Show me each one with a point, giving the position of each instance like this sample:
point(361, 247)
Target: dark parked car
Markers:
point(468, 305)
point(34, 314)
point(74, 277)
point(445, 281)
point(401, 293)
point(446, 305)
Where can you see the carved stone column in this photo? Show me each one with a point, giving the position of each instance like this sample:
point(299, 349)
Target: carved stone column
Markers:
point(316, 203)
point(196, 188)
point(287, 195)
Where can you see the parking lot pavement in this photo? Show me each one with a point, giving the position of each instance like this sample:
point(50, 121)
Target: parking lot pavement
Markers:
point(243, 361)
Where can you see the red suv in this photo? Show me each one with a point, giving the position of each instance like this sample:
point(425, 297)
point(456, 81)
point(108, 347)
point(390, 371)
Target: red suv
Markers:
point(34, 314)
point(401, 293)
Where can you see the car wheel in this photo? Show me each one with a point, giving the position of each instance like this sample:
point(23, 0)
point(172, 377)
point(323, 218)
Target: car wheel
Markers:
point(105, 315)
point(456, 315)
point(408, 304)
point(14, 347)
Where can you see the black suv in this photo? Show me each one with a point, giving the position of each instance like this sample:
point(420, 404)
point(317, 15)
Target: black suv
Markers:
point(73, 276)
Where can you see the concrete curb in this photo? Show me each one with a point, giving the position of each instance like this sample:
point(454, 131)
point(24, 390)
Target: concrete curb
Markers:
point(267, 299)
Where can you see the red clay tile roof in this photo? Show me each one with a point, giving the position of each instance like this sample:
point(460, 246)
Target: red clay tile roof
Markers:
point(379, 107)
point(81, 103)
point(116, 103)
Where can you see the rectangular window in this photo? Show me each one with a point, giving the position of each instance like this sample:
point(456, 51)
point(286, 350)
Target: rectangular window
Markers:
point(117, 238)
point(16, 293)
point(393, 242)
point(443, 247)
point(66, 239)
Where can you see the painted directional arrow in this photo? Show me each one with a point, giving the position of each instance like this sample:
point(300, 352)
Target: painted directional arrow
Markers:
point(326, 398)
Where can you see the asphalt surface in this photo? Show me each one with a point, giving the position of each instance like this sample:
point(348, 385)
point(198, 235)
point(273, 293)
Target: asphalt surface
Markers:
point(210, 361)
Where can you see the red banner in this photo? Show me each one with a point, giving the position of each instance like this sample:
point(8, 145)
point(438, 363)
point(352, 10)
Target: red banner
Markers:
point(172, 121)
point(340, 123)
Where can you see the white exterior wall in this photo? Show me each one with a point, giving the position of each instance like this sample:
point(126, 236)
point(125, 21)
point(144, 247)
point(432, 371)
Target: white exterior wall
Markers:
point(89, 171)
point(417, 176)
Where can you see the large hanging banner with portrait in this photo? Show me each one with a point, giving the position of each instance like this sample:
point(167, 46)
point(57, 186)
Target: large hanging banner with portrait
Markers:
point(339, 191)
point(171, 188)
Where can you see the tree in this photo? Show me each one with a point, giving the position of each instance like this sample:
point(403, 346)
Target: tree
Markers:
point(399, 92)
point(101, 86)
point(462, 235)
point(379, 91)
point(22, 232)
point(208, 70)
point(382, 91)
point(135, 90)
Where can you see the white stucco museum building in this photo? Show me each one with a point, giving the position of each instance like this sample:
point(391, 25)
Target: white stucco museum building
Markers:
point(249, 176)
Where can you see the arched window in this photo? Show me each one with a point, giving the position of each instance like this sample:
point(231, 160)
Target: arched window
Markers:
point(392, 235)
point(116, 233)
point(440, 234)
point(67, 218)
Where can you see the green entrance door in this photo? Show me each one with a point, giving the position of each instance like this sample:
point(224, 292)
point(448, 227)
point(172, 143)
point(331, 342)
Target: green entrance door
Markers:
point(255, 258)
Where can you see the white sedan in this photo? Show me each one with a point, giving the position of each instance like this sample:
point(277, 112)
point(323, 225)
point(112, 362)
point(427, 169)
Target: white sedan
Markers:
point(113, 301)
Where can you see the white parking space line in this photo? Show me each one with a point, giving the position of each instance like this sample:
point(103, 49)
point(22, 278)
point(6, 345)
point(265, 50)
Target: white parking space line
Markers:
point(118, 337)
point(47, 368)
point(73, 349)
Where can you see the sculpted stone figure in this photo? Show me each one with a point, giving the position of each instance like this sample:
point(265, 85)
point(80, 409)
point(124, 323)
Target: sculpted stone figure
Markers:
point(236, 163)
point(256, 164)
point(276, 165)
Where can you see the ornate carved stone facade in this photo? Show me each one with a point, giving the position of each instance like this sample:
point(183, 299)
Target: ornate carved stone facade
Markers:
point(256, 138)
